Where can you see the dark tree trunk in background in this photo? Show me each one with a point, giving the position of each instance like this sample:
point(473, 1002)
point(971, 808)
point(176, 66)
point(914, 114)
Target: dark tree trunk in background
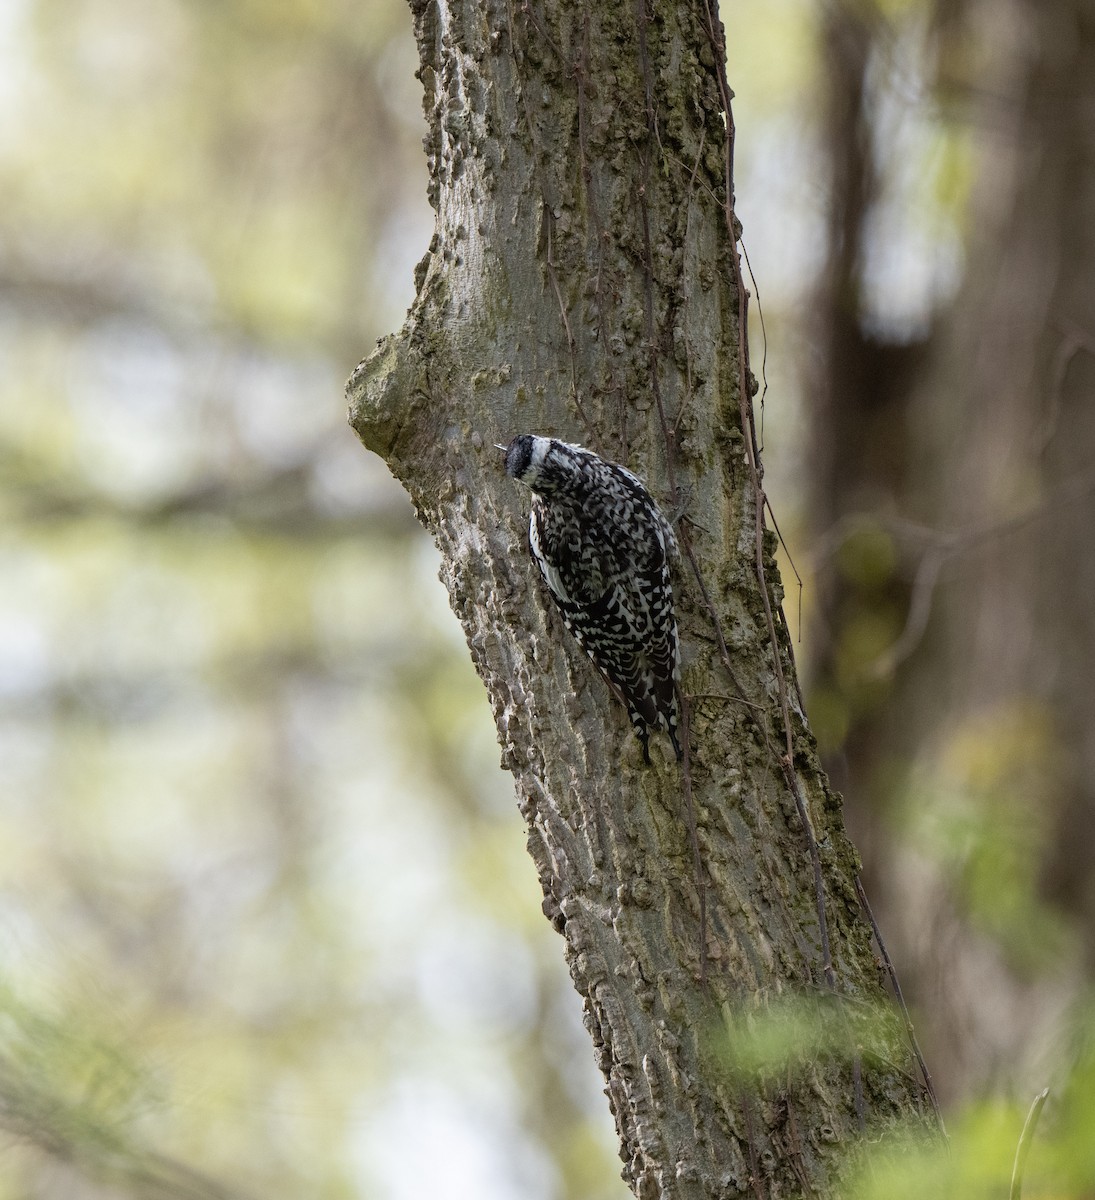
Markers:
point(997, 456)
point(858, 401)
point(1012, 401)
point(581, 283)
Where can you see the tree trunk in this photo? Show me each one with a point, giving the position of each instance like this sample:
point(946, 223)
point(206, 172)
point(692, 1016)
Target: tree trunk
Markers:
point(583, 282)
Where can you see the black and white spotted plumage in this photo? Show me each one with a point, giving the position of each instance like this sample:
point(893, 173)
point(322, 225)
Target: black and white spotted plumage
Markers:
point(603, 550)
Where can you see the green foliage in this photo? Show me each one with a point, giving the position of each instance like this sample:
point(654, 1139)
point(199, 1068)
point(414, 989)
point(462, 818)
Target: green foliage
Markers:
point(789, 1035)
point(768, 1047)
point(985, 817)
point(978, 1161)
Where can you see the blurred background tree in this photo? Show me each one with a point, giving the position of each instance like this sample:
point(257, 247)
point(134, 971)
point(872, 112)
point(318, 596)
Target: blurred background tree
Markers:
point(952, 475)
point(265, 910)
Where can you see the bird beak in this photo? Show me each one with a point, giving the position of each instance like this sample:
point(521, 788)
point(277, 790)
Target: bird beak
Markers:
point(502, 448)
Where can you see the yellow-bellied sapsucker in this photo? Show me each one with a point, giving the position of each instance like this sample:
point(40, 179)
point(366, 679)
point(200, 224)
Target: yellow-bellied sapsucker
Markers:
point(603, 549)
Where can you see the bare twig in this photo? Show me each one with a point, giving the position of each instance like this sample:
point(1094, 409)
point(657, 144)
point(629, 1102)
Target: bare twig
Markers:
point(939, 546)
point(1074, 340)
point(763, 359)
point(916, 622)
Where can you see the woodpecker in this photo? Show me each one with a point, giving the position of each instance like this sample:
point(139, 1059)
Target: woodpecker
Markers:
point(602, 547)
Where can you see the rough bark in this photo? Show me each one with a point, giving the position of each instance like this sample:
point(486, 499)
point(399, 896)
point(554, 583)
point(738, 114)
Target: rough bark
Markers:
point(581, 282)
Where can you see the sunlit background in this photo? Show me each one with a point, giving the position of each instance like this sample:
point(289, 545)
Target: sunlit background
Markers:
point(266, 921)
